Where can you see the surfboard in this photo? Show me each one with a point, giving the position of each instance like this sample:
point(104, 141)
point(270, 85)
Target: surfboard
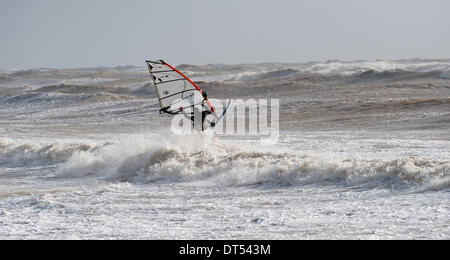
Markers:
point(219, 118)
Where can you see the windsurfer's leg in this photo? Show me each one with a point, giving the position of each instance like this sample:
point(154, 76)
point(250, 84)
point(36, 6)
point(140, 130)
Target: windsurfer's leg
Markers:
point(203, 119)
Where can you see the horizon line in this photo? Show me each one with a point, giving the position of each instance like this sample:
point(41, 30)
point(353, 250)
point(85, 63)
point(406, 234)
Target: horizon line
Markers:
point(227, 64)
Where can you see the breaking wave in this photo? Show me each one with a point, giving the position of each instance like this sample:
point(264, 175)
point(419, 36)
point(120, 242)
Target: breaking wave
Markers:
point(15, 153)
point(144, 160)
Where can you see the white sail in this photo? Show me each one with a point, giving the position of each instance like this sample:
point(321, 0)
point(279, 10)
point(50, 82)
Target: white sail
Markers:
point(176, 92)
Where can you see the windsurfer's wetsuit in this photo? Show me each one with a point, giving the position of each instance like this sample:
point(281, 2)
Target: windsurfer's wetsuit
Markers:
point(206, 111)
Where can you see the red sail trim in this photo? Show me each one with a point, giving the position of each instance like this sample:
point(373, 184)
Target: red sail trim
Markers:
point(193, 84)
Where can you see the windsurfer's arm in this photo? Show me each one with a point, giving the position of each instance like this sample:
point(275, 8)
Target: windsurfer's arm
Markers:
point(207, 110)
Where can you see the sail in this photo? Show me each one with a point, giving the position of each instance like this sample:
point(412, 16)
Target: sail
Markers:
point(176, 92)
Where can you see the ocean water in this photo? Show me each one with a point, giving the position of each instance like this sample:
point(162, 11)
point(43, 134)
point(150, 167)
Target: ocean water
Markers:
point(363, 153)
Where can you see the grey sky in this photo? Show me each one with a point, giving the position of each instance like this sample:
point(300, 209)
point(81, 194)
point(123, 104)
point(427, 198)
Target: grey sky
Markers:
point(81, 33)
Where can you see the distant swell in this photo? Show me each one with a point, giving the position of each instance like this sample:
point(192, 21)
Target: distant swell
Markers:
point(58, 99)
point(264, 75)
point(145, 160)
point(364, 76)
point(398, 74)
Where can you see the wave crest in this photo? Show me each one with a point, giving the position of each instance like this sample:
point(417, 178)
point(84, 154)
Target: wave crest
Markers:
point(28, 153)
point(145, 160)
